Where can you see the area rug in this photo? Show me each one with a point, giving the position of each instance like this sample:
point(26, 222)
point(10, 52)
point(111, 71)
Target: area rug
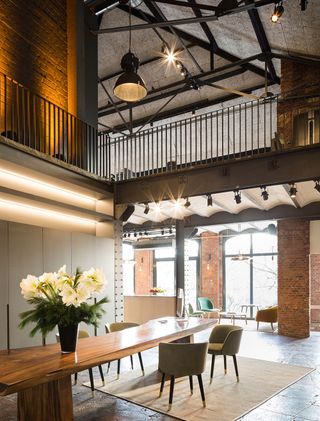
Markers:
point(226, 399)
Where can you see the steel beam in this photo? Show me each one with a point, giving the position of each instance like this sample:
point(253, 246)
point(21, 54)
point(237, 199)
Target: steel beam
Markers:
point(271, 168)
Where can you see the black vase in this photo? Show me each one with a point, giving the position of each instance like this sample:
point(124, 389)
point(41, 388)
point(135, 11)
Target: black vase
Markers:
point(68, 338)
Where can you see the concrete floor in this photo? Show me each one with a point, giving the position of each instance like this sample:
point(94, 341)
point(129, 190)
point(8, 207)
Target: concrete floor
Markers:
point(300, 401)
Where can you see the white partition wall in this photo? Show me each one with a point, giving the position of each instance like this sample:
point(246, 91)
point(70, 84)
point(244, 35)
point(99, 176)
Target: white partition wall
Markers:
point(28, 249)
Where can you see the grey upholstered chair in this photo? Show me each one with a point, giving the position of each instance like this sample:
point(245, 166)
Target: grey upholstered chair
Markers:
point(116, 327)
point(225, 340)
point(178, 360)
point(84, 334)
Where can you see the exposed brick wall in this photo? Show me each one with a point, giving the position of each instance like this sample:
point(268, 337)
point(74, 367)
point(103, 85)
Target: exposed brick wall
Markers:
point(143, 271)
point(296, 80)
point(315, 290)
point(33, 46)
point(293, 278)
point(210, 263)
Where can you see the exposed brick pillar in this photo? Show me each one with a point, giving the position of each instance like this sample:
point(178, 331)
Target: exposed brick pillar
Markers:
point(210, 279)
point(293, 278)
point(298, 81)
point(315, 291)
point(143, 271)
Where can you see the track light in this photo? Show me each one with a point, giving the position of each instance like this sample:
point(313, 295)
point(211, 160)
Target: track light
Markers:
point(237, 196)
point(140, 233)
point(293, 190)
point(209, 200)
point(124, 235)
point(183, 72)
point(147, 209)
point(277, 12)
point(264, 193)
point(146, 233)
point(317, 186)
point(170, 230)
point(129, 235)
point(162, 231)
point(169, 55)
point(187, 204)
point(135, 234)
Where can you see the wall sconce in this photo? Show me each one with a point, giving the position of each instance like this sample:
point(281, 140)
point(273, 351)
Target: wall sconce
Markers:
point(141, 264)
point(208, 261)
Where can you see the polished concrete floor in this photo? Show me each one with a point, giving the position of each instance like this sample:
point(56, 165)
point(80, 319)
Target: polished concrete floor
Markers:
point(300, 401)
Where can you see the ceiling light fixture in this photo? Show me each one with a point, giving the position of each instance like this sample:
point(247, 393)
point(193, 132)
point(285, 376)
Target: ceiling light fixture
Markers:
point(130, 87)
point(147, 209)
point(277, 12)
point(293, 190)
point(264, 193)
point(237, 196)
point(187, 204)
point(317, 186)
point(209, 200)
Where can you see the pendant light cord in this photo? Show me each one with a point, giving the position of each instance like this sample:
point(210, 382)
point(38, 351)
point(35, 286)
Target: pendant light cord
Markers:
point(130, 26)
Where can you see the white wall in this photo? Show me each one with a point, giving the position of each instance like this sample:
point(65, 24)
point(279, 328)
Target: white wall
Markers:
point(315, 237)
point(28, 249)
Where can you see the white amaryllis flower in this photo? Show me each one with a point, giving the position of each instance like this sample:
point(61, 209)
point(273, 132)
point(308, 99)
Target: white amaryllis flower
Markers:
point(94, 279)
point(29, 287)
point(74, 296)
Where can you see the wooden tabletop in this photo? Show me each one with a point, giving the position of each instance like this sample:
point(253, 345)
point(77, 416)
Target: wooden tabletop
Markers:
point(26, 367)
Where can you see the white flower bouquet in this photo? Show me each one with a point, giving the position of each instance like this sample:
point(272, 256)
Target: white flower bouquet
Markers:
point(61, 299)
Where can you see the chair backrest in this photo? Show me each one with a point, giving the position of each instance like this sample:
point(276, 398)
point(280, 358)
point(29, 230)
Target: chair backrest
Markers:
point(182, 359)
point(205, 303)
point(230, 336)
point(116, 327)
point(190, 309)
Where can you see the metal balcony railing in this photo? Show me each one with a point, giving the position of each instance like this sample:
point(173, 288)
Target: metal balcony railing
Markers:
point(242, 130)
point(33, 121)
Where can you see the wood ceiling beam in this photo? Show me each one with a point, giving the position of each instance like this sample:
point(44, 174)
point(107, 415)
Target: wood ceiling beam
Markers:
point(270, 168)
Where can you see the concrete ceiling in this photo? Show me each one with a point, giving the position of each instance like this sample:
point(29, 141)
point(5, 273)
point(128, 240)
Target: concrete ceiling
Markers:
point(296, 33)
point(224, 202)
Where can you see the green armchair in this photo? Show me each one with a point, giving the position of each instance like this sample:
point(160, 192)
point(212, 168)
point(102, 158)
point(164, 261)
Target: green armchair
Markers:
point(206, 305)
point(225, 340)
point(194, 313)
point(267, 315)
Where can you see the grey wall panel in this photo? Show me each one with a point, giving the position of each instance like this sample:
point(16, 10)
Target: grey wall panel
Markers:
point(4, 292)
point(25, 257)
point(105, 262)
point(84, 257)
point(56, 253)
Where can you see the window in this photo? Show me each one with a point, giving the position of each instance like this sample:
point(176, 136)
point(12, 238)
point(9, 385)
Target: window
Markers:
point(128, 269)
point(253, 279)
point(165, 269)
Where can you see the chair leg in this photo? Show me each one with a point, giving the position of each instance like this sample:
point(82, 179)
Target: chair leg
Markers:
point(191, 384)
point(236, 366)
point(225, 364)
point(118, 369)
point(257, 325)
point(171, 392)
point(131, 360)
point(162, 384)
point(108, 368)
point(272, 327)
point(141, 363)
point(101, 374)
point(212, 367)
point(91, 381)
point(201, 390)
point(75, 378)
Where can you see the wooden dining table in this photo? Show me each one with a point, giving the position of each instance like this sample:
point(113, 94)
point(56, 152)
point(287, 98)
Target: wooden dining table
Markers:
point(41, 375)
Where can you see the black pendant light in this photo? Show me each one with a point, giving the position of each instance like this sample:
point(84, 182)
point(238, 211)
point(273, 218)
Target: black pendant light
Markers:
point(130, 87)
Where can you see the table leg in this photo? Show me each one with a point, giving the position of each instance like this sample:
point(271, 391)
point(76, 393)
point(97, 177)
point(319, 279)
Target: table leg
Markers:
point(48, 401)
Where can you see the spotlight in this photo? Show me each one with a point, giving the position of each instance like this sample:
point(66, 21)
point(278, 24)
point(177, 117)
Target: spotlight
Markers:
point(293, 190)
point(129, 235)
point(170, 230)
point(264, 193)
point(162, 231)
point(237, 196)
point(147, 209)
point(135, 234)
point(124, 235)
point(187, 204)
point(169, 55)
point(140, 233)
point(277, 12)
point(146, 233)
point(209, 200)
point(178, 64)
point(317, 186)
point(183, 72)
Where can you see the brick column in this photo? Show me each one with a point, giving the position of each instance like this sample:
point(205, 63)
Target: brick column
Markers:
point(315, 291)
point(210, 279)
point(143, 271)
point(293, 278)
